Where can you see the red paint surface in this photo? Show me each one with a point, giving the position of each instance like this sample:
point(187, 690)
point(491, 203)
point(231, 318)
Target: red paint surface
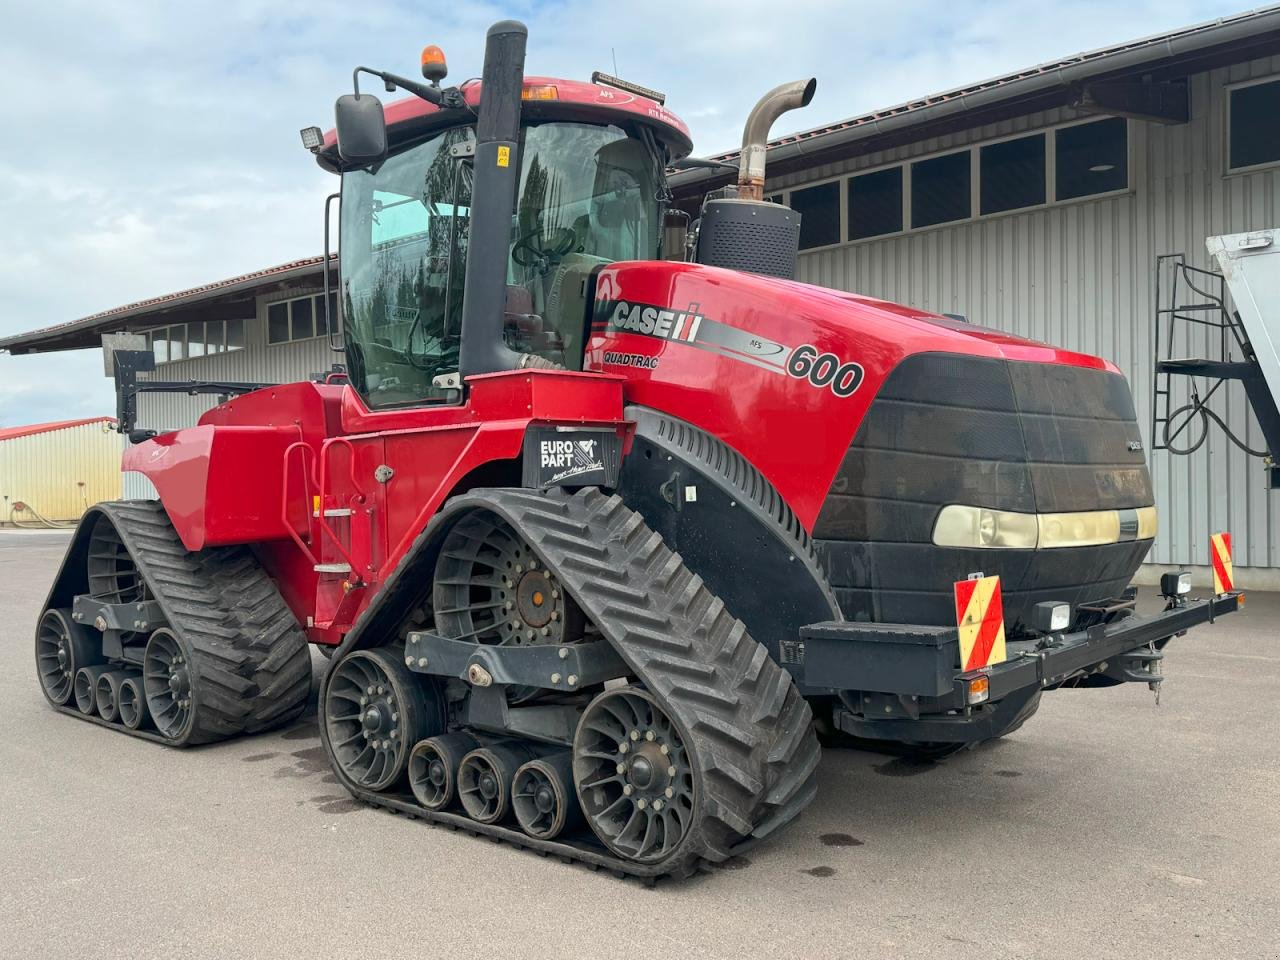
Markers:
point(599, 102)
point(794, 433)
point(255, 468)
point(227, 480)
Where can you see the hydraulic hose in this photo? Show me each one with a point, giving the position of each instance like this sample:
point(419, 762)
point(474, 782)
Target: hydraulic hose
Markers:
point(1198, 409)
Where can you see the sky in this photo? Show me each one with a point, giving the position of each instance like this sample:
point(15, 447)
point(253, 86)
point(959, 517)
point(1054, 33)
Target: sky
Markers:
point(148, 146)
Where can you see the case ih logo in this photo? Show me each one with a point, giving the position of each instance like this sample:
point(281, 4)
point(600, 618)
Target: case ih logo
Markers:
point(654, 321)
point(805, 362)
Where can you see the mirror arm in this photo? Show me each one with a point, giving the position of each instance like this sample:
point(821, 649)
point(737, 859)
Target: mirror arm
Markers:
point(450, 98)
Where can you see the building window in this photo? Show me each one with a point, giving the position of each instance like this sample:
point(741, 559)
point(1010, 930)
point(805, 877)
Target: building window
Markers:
point(1011, 174)
point(189, 340)
point(299, 319)
point(875, 203)
point(1253, 125)
point(941, 190)
point(819, 209)
point(1092, 158)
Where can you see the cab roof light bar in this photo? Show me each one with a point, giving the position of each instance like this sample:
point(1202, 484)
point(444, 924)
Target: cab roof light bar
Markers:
point(605, 80)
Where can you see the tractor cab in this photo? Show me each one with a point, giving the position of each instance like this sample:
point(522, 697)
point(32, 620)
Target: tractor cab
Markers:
point(589, 189)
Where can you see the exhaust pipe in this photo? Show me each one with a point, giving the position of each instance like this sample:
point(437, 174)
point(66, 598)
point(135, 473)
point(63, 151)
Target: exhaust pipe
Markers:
point(788, 96)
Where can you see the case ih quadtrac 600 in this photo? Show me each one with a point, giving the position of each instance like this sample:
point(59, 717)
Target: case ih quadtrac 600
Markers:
point(600, 542)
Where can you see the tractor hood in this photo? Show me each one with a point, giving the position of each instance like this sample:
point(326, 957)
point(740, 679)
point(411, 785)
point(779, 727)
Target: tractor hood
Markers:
point(869, 418)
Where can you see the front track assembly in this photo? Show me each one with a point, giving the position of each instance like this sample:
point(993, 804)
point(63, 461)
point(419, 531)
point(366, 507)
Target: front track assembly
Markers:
point(685, 742)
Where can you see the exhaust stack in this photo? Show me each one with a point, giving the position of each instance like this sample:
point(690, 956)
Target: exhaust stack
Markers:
point(788, 96)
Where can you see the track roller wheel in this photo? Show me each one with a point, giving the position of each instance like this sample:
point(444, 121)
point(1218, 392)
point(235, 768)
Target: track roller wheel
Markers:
point(433, 766)
point(107, 693)
point(542, 796)
point(62, 648)
point(375, 712)
point(484, 781)
point(86, 687)
point(132, 702)
point(634, 775)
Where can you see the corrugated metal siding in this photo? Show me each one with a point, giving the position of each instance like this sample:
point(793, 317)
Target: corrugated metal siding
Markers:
point(258, 362)
point(60, 473)
point(1082, 276)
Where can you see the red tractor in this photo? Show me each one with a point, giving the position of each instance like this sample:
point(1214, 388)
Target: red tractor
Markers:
point(606, 521)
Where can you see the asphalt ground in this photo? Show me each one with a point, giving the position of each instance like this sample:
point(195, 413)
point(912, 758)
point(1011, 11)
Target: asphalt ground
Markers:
point(1107, 827)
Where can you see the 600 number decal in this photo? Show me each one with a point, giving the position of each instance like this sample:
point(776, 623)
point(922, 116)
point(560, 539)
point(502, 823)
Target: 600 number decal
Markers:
point(824, 370)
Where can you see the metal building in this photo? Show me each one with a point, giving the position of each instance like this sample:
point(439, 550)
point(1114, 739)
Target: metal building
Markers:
point(1038, 202)
point(50, 473)
point(1035, 202)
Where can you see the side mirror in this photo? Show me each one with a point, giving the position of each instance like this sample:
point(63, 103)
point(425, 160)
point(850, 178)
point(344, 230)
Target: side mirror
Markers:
point(362, 129)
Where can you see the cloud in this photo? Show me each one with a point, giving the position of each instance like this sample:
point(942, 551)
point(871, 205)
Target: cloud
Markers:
point(153, 146)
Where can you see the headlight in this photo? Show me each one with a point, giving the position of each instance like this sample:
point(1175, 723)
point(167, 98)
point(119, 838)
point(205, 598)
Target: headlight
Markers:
point(961, 526)
point(1079, 529)
point(964, 526)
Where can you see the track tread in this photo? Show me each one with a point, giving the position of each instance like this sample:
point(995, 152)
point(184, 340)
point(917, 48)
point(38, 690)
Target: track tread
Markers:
point(760, 752)
point(252, 660)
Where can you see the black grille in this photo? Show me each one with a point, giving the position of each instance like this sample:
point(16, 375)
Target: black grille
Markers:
point(751, 236)
point(1027, 437)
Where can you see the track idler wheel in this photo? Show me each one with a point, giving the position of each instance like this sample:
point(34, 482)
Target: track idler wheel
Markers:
point(132, 702)
point(86, 688)
point(484, 781)
point(169, 682)
point(107, 694)
point(62, 648)
point(375, 712)
point(433, 768)
point(634, 776)
point(542, 796)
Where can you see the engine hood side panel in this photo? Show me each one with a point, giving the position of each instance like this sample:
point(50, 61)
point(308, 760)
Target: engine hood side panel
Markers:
point(783, 372)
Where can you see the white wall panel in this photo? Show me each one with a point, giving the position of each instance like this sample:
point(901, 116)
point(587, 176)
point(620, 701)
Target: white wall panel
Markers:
point(1082, 276)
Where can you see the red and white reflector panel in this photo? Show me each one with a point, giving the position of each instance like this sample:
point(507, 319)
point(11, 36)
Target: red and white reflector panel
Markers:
point(980, 618)
point(1223, 574)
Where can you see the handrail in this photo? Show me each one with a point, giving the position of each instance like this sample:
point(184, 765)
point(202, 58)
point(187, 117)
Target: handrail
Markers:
point(359, 498)
point(284, 495)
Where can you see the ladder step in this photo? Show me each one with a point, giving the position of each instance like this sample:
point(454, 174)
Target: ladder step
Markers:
point(335, 512)
point(332, 568)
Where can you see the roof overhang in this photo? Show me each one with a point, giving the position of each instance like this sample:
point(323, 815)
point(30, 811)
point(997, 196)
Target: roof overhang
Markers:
point(1151, 60)
point(224, 300)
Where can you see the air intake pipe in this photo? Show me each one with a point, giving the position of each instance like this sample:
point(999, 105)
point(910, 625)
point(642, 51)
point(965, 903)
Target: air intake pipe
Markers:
point(493, 199)
point(788, 96)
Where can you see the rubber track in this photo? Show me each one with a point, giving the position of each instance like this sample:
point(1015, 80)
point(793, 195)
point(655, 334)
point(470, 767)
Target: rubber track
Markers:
point(752, 727)
point(253, 661)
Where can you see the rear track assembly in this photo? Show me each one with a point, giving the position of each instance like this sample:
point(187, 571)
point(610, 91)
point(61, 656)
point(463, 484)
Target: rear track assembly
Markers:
point(230, 659)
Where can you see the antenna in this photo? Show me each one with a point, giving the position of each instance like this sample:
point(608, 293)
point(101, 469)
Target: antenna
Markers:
point(614, 51)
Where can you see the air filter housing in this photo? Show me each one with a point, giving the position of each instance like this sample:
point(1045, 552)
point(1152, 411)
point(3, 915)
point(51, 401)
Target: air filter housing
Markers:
point(749, 235)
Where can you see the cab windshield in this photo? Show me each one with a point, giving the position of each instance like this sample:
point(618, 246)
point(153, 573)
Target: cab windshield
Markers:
point(588, 195)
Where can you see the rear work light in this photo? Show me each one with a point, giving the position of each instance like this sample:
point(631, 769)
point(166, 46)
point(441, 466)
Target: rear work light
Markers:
point(312, 138)
point(1175, 584)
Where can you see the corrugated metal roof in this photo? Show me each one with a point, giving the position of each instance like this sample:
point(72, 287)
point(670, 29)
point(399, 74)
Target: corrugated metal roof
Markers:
point(111, 319)
point(1141, 54)
point(11, 433)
